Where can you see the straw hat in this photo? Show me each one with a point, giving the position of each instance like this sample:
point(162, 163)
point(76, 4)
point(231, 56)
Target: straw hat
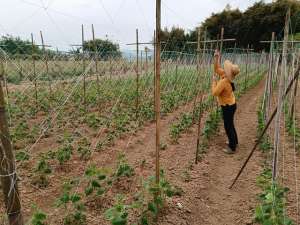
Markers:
point(231, 70)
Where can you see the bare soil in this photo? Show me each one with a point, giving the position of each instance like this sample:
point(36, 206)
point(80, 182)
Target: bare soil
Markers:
point(206, 198)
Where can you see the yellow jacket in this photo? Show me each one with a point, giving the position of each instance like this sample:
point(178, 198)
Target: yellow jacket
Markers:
point(222, 89)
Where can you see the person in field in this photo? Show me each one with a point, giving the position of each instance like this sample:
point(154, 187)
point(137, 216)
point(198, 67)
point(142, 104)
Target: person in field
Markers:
point(223, 89)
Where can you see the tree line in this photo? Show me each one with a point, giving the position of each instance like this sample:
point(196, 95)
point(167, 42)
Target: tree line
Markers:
point(15, 47)
point(256, 23)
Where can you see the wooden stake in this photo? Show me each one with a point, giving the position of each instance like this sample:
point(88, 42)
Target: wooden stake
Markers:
point(154, 73)
point(8, 174)
point(295, 92)
point(95, 57)
point(46, 63)
point(247, 63)
point(270, 78)
point(146, 62)
point(83, 66)
point(34, 73)
point(280, 100)
point(199, 131)
point(198, 71)
point(222, 37)
point(137, 76)
point(157, 88)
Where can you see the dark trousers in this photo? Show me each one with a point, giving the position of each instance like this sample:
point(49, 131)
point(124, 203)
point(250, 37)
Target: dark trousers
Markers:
point(228, 117)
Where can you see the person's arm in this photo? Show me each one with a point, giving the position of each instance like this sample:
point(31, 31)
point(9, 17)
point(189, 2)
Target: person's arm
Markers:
point(217, 66)
point(217, 87)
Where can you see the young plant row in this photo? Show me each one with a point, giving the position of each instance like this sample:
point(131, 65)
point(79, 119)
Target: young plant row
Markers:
point(97, 183)
point(291, 126)
point(272, 200)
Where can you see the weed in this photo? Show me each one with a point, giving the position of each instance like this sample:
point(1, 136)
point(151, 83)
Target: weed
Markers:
point(72, 200)
point(38, 217)
point(118, 214)
point(123, 168)
point(64, 154)
point(22, 156)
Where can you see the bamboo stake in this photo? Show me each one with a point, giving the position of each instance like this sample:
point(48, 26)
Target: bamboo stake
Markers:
point(34, 73)
point(157, 88)
point(198, 69)
point(154, 73)
point(270, 78)
point(83, 66)
point(8, 174)
point(146, 62)
point(247, 59)
point(295, 93)
point(221, 43)
point(46, 63)
point(280, 100)
point(199, 131)
point(95, 57)
point(137, 76)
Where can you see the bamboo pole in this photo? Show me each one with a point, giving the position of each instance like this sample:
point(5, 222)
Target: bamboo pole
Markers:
point(270, 77)
point(157, 88)
point(146, 62)
point(221, 41)
point(137, 76)
point(247, 64)
point(95, 57)
point(83, 66)
point(280, 100)
point(198, 71)
point(199, 132)
point(8, 174)
point(154, 73)
point(34, 73)
point(46, 63)
point(295, 92)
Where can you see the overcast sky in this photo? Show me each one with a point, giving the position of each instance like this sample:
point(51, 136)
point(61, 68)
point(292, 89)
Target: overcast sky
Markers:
point(60, 20)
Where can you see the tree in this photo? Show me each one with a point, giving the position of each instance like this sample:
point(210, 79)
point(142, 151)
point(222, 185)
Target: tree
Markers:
point(103, 48)
point(16, 46)
point(256, 23)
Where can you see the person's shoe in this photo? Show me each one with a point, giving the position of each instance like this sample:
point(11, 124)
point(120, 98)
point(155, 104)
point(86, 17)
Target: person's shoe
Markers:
point(228, 151)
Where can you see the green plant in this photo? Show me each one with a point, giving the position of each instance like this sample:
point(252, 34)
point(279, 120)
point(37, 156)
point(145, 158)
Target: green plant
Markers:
point(211, 124)
point(185, 121)
point(123, 168)
point(43, 166)
point(97, 180)
point(118, 213)
point(153, 197)
point(22, 156)
point(38, 217)
point(72, 200)
point(271, 209)
point(64, 154)
point(84, 148)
